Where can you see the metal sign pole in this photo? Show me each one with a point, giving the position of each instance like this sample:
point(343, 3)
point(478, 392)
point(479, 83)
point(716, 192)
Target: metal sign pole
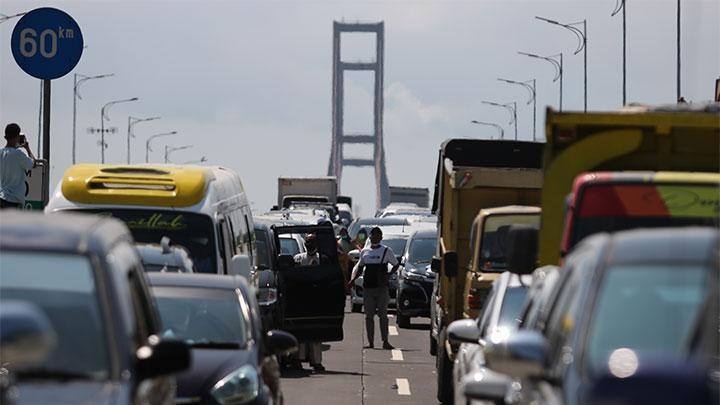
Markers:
point(46, 143)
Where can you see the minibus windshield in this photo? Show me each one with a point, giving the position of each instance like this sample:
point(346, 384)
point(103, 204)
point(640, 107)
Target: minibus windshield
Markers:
point(192, 231)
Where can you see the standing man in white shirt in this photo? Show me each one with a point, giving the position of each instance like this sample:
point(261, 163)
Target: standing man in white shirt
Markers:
point(13, 166)
point(373, 262)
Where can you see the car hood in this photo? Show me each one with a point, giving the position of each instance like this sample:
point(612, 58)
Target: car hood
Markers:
point(72, 392)
point(422, 269)
point(209, 366)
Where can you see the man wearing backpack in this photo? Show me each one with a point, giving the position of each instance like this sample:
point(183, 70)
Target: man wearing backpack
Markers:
point(373, 262)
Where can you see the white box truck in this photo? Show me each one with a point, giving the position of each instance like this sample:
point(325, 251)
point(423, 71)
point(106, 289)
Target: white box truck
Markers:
point(308, 189)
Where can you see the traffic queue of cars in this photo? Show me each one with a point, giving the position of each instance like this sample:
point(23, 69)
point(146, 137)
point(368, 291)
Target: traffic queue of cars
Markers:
point(611, 299)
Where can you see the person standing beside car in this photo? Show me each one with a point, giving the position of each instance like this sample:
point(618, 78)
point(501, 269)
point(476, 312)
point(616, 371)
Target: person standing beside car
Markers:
point(13, 168)
point(373, 263)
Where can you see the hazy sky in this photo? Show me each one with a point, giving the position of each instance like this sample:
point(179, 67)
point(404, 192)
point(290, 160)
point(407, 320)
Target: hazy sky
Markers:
point(248, 83)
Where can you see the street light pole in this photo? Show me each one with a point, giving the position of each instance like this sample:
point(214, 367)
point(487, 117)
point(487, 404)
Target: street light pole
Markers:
point(169, 149)
point(533, 99)
point(582, 45)
point(620, 5)
point(147, 143)
point(131, 122)
point(557, 65)
point(678, 94)
point(492, 124)
point(511, 107)
point(103, 117)
point(201, 160)
point(76, 96)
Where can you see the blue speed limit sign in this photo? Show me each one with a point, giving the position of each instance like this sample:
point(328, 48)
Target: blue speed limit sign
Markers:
point(47, 43)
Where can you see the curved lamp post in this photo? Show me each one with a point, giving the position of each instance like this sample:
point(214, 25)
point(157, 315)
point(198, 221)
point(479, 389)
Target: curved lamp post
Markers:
point(582, 46)
point(131, 122)
point(512, 108)
point(620, 5)
point(557, 65)
point(531, 89)
point(147, 143)
point(103, 116)
point(170, 149)
point(491, 124)
point(76, 97)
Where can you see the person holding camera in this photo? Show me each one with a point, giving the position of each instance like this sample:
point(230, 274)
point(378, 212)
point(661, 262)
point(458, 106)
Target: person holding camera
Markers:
point(13, 168)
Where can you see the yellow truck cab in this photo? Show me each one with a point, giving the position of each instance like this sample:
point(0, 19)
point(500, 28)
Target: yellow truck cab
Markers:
point(472, 174)
point(487, 242)
point(637, 138)
point(203, 209)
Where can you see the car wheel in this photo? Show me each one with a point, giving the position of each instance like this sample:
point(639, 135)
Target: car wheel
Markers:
point(357, 308)
point(403, 321)
point(444, 371)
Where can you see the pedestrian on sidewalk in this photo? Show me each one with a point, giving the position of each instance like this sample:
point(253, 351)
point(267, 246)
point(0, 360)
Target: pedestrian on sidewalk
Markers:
point(373, 263)
point(13, 168)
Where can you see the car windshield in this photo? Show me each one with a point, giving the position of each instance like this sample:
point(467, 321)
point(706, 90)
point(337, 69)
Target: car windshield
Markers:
point(492, 245)
point(511, 307)
point(194, 232)
point(649, 309)
point(63, 286)
point(163, 268)
point(201, 315)
point(396, 244)
point(289, 246)
point(422, 250)
point(612, 208)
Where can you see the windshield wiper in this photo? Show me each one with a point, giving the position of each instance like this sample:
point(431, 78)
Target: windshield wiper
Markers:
point(215, 345)
point(54, 374)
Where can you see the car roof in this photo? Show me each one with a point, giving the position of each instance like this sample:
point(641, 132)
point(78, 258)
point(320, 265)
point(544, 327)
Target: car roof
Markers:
point(383, 221)
point(424, 233)
point(198, 280)
point(67, 232)
point(663, 245)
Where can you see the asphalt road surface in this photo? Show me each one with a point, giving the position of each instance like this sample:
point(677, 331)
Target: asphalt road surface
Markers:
point(355, 375)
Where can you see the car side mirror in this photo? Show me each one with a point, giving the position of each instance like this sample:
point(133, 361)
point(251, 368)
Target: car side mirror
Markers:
point(521, 355)
point(463, 331)
point(521, 249)
point(450, 263)
point(435, 265)
point(241, 266)
point(162, 357)
point(486, 385)
point(281, 343)
point(26, 335)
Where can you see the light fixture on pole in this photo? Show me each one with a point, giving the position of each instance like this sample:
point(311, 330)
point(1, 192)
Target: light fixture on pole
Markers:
point(170, 149)
point(201, 160)
point(558, 69)
point(512, 109)
point(147, 143)
point(531, 88)
point(103, 117)
point(131, 122)
point(76, 96)
point(492, 124)
point(620, 5)
point(582, 46)
point(4, 17)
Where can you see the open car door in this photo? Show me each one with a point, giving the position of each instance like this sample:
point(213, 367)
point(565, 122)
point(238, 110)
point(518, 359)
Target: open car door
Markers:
point(311, 298)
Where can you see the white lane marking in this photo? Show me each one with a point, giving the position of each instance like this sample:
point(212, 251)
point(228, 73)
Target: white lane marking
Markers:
point(393, 330)
point(397, 355)
point(403, 386)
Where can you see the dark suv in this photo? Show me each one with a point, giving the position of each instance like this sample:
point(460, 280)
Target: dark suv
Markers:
point(84, 274)
point(415, 284)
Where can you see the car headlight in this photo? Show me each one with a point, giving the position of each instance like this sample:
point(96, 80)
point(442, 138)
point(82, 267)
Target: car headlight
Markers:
point(267, 296)
point(240, 386)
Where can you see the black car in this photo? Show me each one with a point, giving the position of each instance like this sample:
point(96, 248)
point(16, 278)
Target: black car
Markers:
point(84, 274)
point(415, 285)
point(233, 360)
point(623, 303)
